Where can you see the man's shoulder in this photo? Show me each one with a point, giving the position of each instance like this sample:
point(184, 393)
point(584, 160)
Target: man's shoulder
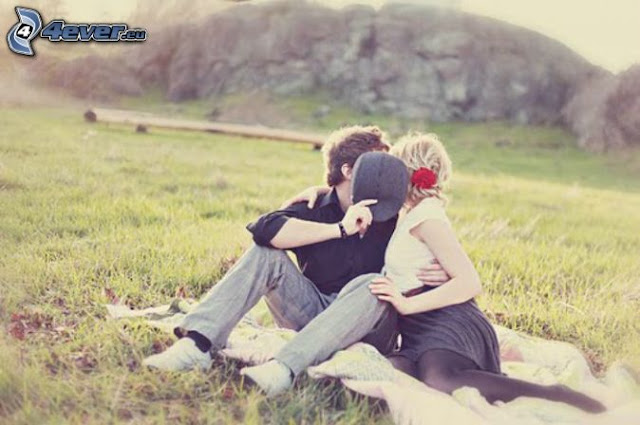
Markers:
point(324, 205)
point(300, 210)
point(329, 199)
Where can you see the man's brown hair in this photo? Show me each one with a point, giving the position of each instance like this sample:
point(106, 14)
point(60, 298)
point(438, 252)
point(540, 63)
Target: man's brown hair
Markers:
point(344, 146)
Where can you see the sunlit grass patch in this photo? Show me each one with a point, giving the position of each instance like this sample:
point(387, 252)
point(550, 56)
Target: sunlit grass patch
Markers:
point(101, 214)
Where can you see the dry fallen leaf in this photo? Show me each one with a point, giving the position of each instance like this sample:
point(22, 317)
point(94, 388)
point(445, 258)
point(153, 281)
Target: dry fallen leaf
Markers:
point(111, 295)
point(16, 328)
point(84, 361)
point(181, 292)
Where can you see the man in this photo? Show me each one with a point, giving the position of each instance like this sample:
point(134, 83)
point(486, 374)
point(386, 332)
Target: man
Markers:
point(339, 250)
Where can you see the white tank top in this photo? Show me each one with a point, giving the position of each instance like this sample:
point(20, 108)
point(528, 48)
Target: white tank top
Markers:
point(406, 254)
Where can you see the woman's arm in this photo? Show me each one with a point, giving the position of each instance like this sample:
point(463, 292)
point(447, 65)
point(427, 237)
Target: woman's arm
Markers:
point(464, 284)
point(309, 195)
point(465, 281)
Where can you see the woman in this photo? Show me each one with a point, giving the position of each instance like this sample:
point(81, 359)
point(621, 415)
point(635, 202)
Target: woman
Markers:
point(447, 342)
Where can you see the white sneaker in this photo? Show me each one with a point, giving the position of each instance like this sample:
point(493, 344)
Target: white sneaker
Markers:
point(272, 377)
point(183, 355)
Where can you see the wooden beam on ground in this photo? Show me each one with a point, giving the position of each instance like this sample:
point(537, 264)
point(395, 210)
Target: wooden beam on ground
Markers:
point(144, 119)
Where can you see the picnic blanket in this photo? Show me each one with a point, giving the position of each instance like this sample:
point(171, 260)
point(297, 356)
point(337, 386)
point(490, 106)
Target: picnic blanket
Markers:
point(363, 369)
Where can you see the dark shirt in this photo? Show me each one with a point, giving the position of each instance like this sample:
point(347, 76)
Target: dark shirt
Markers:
point(330, 264)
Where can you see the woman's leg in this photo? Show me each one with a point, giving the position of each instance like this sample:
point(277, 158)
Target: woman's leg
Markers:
point(404, 364)
point(447, 371)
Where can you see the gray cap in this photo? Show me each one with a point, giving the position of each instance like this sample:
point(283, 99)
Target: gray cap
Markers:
point(378, 175)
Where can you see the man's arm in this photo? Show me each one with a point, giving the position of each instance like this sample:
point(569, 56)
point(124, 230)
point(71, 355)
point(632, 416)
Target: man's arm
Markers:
point(287, 228)
point(267, 226)
point(295, 233)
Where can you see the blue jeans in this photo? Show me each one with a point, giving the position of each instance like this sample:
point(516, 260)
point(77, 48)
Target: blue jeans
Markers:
point(325, 323)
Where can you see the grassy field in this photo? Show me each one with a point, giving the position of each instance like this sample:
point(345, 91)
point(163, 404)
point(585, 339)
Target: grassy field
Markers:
point(93, 213)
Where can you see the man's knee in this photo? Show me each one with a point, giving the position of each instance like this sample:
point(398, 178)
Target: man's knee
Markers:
point(259, 265)
point(266, 253)
point(361, 285)
point(364, 292)
point(383, 317)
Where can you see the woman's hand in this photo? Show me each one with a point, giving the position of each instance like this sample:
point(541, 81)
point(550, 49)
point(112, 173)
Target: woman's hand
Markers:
point(309, 195)
point(386, 290)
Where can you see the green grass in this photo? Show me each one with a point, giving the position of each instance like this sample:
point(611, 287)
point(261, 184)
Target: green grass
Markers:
point(538, 153)
point(89, 212)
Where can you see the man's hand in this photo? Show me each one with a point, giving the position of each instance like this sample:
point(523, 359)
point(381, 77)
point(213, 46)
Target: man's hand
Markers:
point(433, 275)
point(309, 195)
point(386, 290)
point(358, 217)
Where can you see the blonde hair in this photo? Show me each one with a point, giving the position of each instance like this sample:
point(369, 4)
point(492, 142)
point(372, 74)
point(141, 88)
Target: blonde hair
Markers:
point(419, 150)
point(344, 146)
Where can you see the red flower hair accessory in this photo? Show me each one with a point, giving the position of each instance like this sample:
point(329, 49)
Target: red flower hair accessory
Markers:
point(424, 178)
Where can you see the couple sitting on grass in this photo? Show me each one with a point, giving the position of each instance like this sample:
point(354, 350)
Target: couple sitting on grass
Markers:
point(377, 258)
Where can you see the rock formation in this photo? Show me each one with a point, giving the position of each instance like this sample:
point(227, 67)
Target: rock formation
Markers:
point(413, 61)
point(605, 112)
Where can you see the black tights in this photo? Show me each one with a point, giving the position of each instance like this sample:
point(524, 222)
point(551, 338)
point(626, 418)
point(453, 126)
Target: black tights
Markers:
point(447, 371)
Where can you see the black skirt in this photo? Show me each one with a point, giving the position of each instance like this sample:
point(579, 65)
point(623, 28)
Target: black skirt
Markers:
point(461, 328)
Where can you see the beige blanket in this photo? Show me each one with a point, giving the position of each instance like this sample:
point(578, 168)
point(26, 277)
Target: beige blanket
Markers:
point(364, 370)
